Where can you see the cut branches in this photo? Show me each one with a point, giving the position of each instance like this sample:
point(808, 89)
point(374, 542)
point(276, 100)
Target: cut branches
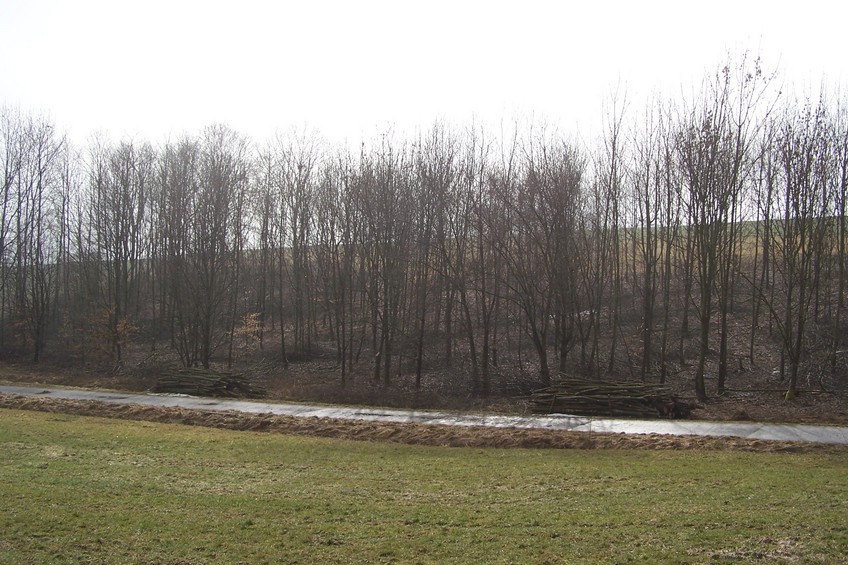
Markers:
point(609, 398)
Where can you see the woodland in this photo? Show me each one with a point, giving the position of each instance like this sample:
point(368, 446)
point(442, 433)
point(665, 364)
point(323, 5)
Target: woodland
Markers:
point(694, 238)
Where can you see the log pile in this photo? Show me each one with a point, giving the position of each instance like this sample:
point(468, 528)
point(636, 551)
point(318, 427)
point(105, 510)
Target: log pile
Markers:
point(609, 398)
point(205, 382)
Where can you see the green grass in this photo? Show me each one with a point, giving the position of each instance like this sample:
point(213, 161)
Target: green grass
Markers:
point(79, 489)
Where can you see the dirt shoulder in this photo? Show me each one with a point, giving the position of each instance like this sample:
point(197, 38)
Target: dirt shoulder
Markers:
point(411, 434)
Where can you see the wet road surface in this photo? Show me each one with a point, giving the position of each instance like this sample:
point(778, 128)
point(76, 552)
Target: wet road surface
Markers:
point(749, 430)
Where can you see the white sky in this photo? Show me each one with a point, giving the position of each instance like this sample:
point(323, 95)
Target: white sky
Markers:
point(154, 69)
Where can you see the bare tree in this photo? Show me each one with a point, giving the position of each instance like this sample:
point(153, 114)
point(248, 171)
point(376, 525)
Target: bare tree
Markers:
point(713, 148)
point(13, 145)
point(35, 249)
point(203, 183)
point(536, 250)
point(804, 155)
point(436, 175)
point(297, 159)
point(649, 181)
point(120, 180)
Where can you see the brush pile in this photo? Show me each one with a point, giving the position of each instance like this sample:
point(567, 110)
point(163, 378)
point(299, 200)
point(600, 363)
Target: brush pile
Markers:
point(609, 398)
point(205, 382)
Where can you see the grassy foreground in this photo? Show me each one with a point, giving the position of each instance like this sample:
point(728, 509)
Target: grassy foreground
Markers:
point(82, 489)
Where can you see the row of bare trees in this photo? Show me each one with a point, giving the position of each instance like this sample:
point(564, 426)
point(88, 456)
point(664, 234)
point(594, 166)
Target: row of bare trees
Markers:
point(717, 223)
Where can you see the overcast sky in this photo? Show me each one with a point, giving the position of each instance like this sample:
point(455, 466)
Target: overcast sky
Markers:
point(155, 69)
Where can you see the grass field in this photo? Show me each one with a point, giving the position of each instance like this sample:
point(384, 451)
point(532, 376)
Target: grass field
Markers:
point(81, 489)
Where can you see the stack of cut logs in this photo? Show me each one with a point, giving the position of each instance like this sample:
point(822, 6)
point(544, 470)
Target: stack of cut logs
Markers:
point(609, 398)
point(205, 382)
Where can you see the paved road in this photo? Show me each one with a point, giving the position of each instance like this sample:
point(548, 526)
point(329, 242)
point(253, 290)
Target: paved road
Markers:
point(749, 430)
